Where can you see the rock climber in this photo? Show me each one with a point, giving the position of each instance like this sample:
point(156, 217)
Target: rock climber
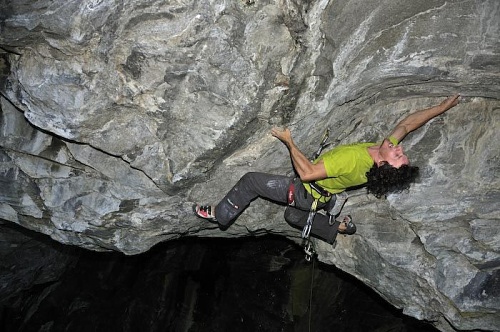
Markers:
point(382, 167)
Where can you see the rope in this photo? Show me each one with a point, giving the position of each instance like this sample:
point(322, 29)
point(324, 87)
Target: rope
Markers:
point(311, 294)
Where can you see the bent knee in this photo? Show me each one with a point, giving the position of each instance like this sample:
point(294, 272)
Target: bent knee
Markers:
point(248, 177)
point(292, 217)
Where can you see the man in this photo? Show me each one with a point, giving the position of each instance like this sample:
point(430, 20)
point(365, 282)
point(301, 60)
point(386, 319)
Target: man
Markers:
point(383, 168)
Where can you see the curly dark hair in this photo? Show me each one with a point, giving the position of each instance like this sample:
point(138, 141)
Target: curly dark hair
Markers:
point(386, 179)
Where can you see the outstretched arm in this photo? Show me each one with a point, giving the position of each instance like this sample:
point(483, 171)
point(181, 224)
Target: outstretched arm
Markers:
point(306, 170)
point(419, 118)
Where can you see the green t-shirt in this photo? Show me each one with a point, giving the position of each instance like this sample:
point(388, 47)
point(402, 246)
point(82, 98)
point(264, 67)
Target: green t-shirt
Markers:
point(346, 167)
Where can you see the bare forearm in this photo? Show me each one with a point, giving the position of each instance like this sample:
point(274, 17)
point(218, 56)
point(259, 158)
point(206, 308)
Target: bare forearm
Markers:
point(300, 162)
point(419, 118)
point(306, 170)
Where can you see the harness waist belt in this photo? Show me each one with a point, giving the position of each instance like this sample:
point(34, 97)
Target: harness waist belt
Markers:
point(320, 190)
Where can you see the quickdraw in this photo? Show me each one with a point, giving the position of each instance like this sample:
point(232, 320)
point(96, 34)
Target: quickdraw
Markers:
point(312, 212)
point(308, 244)
point(322, 145)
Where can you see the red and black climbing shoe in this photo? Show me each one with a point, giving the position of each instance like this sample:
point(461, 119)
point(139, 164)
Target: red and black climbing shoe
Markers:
point(205, 212)
point(350, 228)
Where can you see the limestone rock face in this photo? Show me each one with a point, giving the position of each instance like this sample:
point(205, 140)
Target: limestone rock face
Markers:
point(116, 116)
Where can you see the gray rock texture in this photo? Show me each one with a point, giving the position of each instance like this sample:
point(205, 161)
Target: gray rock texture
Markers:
point(116, 116)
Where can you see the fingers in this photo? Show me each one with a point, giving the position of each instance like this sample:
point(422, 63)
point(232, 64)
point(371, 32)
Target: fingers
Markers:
point(451, 101)
point(455, 98)
point(277, 132)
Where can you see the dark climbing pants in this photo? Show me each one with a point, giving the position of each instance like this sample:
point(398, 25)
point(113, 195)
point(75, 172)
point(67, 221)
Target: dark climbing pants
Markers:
point(275, 188)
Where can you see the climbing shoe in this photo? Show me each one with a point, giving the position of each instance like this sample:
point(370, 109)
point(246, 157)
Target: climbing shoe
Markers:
point(205, 212)
point(350, 228)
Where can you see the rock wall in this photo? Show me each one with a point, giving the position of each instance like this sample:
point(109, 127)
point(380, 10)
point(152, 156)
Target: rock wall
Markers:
point(117, 115)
